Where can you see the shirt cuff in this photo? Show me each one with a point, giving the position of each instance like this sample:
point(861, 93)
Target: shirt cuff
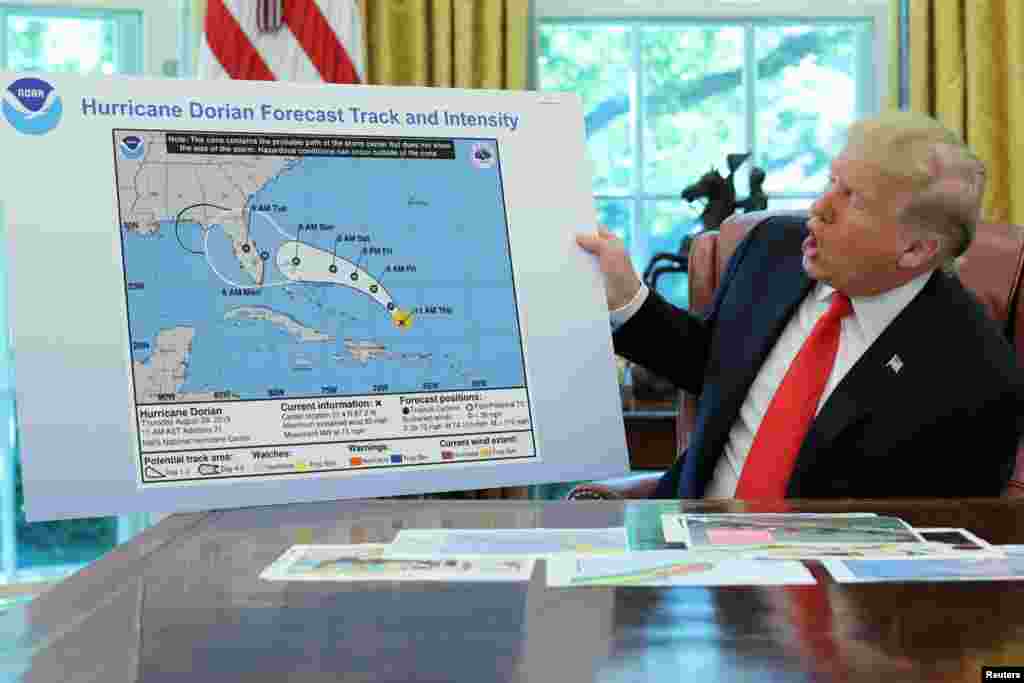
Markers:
point(620, 316)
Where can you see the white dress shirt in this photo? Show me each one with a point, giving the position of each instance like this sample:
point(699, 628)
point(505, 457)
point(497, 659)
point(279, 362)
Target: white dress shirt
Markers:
point(871, 315)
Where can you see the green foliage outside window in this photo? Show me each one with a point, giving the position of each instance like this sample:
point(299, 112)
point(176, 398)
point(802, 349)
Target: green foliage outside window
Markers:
point(61, 44)
point(692, 77)
point(694, 104)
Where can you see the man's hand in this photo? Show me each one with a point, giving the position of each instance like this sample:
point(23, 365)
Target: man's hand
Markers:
point(593, 492)
point(620, 280)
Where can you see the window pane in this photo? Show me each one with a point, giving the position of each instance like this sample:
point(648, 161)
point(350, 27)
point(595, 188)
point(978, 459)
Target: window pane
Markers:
point(594, 62)
point(664, 225)
point(806, 98)
point(79, 45)
point(694, 104)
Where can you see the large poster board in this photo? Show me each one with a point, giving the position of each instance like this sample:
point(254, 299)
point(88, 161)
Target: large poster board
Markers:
point(229, 294)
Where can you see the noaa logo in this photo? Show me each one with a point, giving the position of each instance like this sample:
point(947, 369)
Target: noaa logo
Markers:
point(132, 147)
point(32, 106)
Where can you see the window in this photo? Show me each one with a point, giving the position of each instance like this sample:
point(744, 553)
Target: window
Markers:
point(86, 42)
point(666, 98)
point(111, 39)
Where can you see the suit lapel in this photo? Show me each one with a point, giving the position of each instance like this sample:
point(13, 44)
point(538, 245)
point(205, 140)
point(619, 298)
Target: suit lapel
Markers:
point(888, 364)
point(767, 317)
point(762, 316)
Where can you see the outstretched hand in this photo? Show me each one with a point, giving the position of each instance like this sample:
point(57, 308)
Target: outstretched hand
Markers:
point(620, 279)
point(593, 492)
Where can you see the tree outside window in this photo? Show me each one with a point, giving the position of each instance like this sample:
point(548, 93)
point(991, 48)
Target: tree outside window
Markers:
point(667, 100)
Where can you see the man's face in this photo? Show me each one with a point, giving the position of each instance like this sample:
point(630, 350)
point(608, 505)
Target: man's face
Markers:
point(855, 241)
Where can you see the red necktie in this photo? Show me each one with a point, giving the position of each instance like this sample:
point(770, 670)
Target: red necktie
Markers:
point(784, 426)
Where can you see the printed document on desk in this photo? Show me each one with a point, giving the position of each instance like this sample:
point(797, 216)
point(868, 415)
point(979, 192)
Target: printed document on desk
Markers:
point(241, 293)
point(367, 562)
point(510, 542)
point(820, 551)
point(744, 531)
point(1010, 567)
point(818, 536)
point(671, 568)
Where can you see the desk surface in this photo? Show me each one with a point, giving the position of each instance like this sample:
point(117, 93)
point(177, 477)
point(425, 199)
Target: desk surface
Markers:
point(182, 602)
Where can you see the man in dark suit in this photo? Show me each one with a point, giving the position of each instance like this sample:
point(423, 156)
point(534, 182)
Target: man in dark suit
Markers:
point(841, 356)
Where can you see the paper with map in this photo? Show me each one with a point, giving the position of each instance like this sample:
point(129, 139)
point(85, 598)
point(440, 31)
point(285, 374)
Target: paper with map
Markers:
point(367, 562)
point(1009, 567)
point(754, 530)
point(338, 274)
point(671, 568)
point(237, 293)
point(537, 543)
point(818, 551)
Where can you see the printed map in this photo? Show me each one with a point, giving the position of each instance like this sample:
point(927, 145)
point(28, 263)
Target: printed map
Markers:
point(286, 273)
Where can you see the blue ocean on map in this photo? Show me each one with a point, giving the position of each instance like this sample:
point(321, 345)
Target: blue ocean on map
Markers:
point(432, 232)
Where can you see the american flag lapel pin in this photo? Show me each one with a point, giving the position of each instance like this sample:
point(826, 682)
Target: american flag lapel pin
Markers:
point(269, 15)
point(895, 364)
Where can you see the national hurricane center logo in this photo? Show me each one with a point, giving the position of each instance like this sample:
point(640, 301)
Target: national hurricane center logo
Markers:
point(132, 147)
point(32, 106)
point(483, 155)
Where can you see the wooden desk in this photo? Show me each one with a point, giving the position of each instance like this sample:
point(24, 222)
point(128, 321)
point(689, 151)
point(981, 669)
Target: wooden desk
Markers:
point(182, 602)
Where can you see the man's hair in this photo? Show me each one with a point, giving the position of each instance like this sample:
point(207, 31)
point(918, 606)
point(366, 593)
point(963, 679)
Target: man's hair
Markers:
point(946, 180)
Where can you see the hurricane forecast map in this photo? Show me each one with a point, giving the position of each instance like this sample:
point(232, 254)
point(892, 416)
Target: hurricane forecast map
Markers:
point(301, 304)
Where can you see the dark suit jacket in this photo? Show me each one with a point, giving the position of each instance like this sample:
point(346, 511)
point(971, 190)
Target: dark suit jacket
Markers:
point(946, 424)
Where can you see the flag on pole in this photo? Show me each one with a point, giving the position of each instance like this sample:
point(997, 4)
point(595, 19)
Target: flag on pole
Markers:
point(283, 40)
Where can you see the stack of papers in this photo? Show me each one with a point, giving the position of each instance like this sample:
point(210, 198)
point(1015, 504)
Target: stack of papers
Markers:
point(854, 548)
point(444, 555)
point(818, 536)
point(721, 550)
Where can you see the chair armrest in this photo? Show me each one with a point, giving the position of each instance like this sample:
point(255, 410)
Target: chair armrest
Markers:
point(634, 486)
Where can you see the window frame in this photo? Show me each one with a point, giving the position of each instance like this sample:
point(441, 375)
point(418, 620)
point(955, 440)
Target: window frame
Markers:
point(144, 26)
point(872, 67)
point(878, 12)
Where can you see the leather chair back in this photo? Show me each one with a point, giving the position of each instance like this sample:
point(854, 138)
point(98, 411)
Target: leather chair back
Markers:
point(991, 270)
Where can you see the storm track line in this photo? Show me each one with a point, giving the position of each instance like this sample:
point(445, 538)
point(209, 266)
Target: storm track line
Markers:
point(326, 271)
point(177, 224)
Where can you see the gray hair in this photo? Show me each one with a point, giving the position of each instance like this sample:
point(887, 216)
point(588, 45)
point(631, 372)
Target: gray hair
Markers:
point(950, 205)
point(947, 181)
